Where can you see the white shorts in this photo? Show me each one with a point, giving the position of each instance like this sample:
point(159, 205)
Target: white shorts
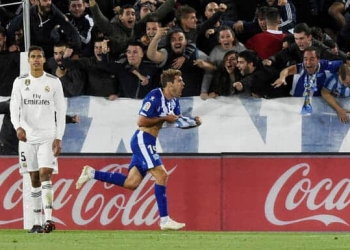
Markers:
point(32, 157)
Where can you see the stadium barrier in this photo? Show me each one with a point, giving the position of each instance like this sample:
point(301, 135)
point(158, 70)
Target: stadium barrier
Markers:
point(217, 192)
point(230, 124)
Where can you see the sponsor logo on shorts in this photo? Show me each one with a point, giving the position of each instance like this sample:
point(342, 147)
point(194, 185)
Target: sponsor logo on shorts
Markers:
point(156, 156)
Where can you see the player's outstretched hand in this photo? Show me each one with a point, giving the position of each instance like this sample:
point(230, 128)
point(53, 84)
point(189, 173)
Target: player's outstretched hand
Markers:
point(198, 120)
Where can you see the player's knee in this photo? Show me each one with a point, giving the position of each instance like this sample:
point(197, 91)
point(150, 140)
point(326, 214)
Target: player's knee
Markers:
point(132, 184)
point(163, 177)
point(45, 177)
point(45, 174)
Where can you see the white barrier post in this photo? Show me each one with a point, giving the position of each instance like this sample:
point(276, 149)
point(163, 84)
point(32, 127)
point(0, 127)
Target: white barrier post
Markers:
point(27, 204)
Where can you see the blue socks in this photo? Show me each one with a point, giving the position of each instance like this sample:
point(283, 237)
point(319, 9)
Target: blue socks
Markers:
point(119, 179)
point(162, 201)
point(114, 178)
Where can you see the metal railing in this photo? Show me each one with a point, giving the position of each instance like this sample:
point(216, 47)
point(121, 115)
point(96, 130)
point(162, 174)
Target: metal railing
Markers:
point(26, 20)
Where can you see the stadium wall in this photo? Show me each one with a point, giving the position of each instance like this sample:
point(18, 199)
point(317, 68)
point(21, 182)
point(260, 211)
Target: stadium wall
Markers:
point(230, 124)
point(216, 192)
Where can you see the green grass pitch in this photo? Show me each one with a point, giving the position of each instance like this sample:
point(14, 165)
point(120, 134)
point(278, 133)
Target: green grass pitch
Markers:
point(168, 240)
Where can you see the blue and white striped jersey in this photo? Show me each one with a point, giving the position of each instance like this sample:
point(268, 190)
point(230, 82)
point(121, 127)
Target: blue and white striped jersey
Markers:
point(336, 88)
point(156, 105)
point(325, 70)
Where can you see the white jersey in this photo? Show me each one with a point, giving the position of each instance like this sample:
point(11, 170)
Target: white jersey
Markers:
point(33, 104)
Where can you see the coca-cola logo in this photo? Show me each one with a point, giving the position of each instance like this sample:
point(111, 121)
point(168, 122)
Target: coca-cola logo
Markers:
point(306, 192)
point(118, 205)
point(86, 206)
point(12, 198)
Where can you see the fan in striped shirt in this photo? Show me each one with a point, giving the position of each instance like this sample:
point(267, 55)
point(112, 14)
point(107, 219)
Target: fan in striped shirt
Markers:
point(338, 85)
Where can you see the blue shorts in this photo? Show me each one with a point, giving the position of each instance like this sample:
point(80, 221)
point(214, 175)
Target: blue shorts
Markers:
point(144, 157)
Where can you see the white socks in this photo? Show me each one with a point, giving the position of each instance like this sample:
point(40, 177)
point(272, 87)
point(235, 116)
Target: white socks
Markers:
point(47, 198)
point(37, 205)
point(164, 219)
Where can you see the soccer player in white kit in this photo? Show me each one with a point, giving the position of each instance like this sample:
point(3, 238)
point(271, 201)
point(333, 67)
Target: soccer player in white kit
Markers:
point(38, 111)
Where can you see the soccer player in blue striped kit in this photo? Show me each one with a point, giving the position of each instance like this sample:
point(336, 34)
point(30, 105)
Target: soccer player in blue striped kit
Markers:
point(160, 105)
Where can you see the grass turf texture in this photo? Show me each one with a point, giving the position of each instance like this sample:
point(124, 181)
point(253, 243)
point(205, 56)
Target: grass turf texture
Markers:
point(167, 240)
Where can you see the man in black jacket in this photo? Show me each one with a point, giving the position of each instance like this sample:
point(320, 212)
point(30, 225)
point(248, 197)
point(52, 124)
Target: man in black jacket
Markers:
point(137, 76)
point(45, 18)
point(294, 53)
point(126, 29)
point(9, 64)
point(98, 83)
point(73, 80)
point(84, 23)
point(192, 74)
point(257, 79)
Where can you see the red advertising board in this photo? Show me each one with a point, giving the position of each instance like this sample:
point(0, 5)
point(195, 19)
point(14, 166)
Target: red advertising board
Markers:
point(286, 194)
point(192, 194)
point(208, 193)
point(11, 212)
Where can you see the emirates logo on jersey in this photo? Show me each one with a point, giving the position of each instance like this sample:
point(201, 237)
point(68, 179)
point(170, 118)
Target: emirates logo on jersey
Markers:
point(27, 82)
point(47, 89)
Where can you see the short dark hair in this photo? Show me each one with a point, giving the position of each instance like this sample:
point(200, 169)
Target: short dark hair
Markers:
point(302, 27)
point(289, 38)
point(136, 43)
point(126, 6)
point(317, 33)
point(313, 48)
point(60, 44)
point(272, 16)
point(170, 34)
point(169, 76)
point(183, 11)
point(330, 43)
point(153, 19)
point(99, 39)
point(35, 47)
point(250, 56)
point(261, 13)
point(70, 1)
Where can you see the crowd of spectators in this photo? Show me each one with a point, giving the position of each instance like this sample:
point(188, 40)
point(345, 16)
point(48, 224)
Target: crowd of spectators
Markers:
point(223, 48)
